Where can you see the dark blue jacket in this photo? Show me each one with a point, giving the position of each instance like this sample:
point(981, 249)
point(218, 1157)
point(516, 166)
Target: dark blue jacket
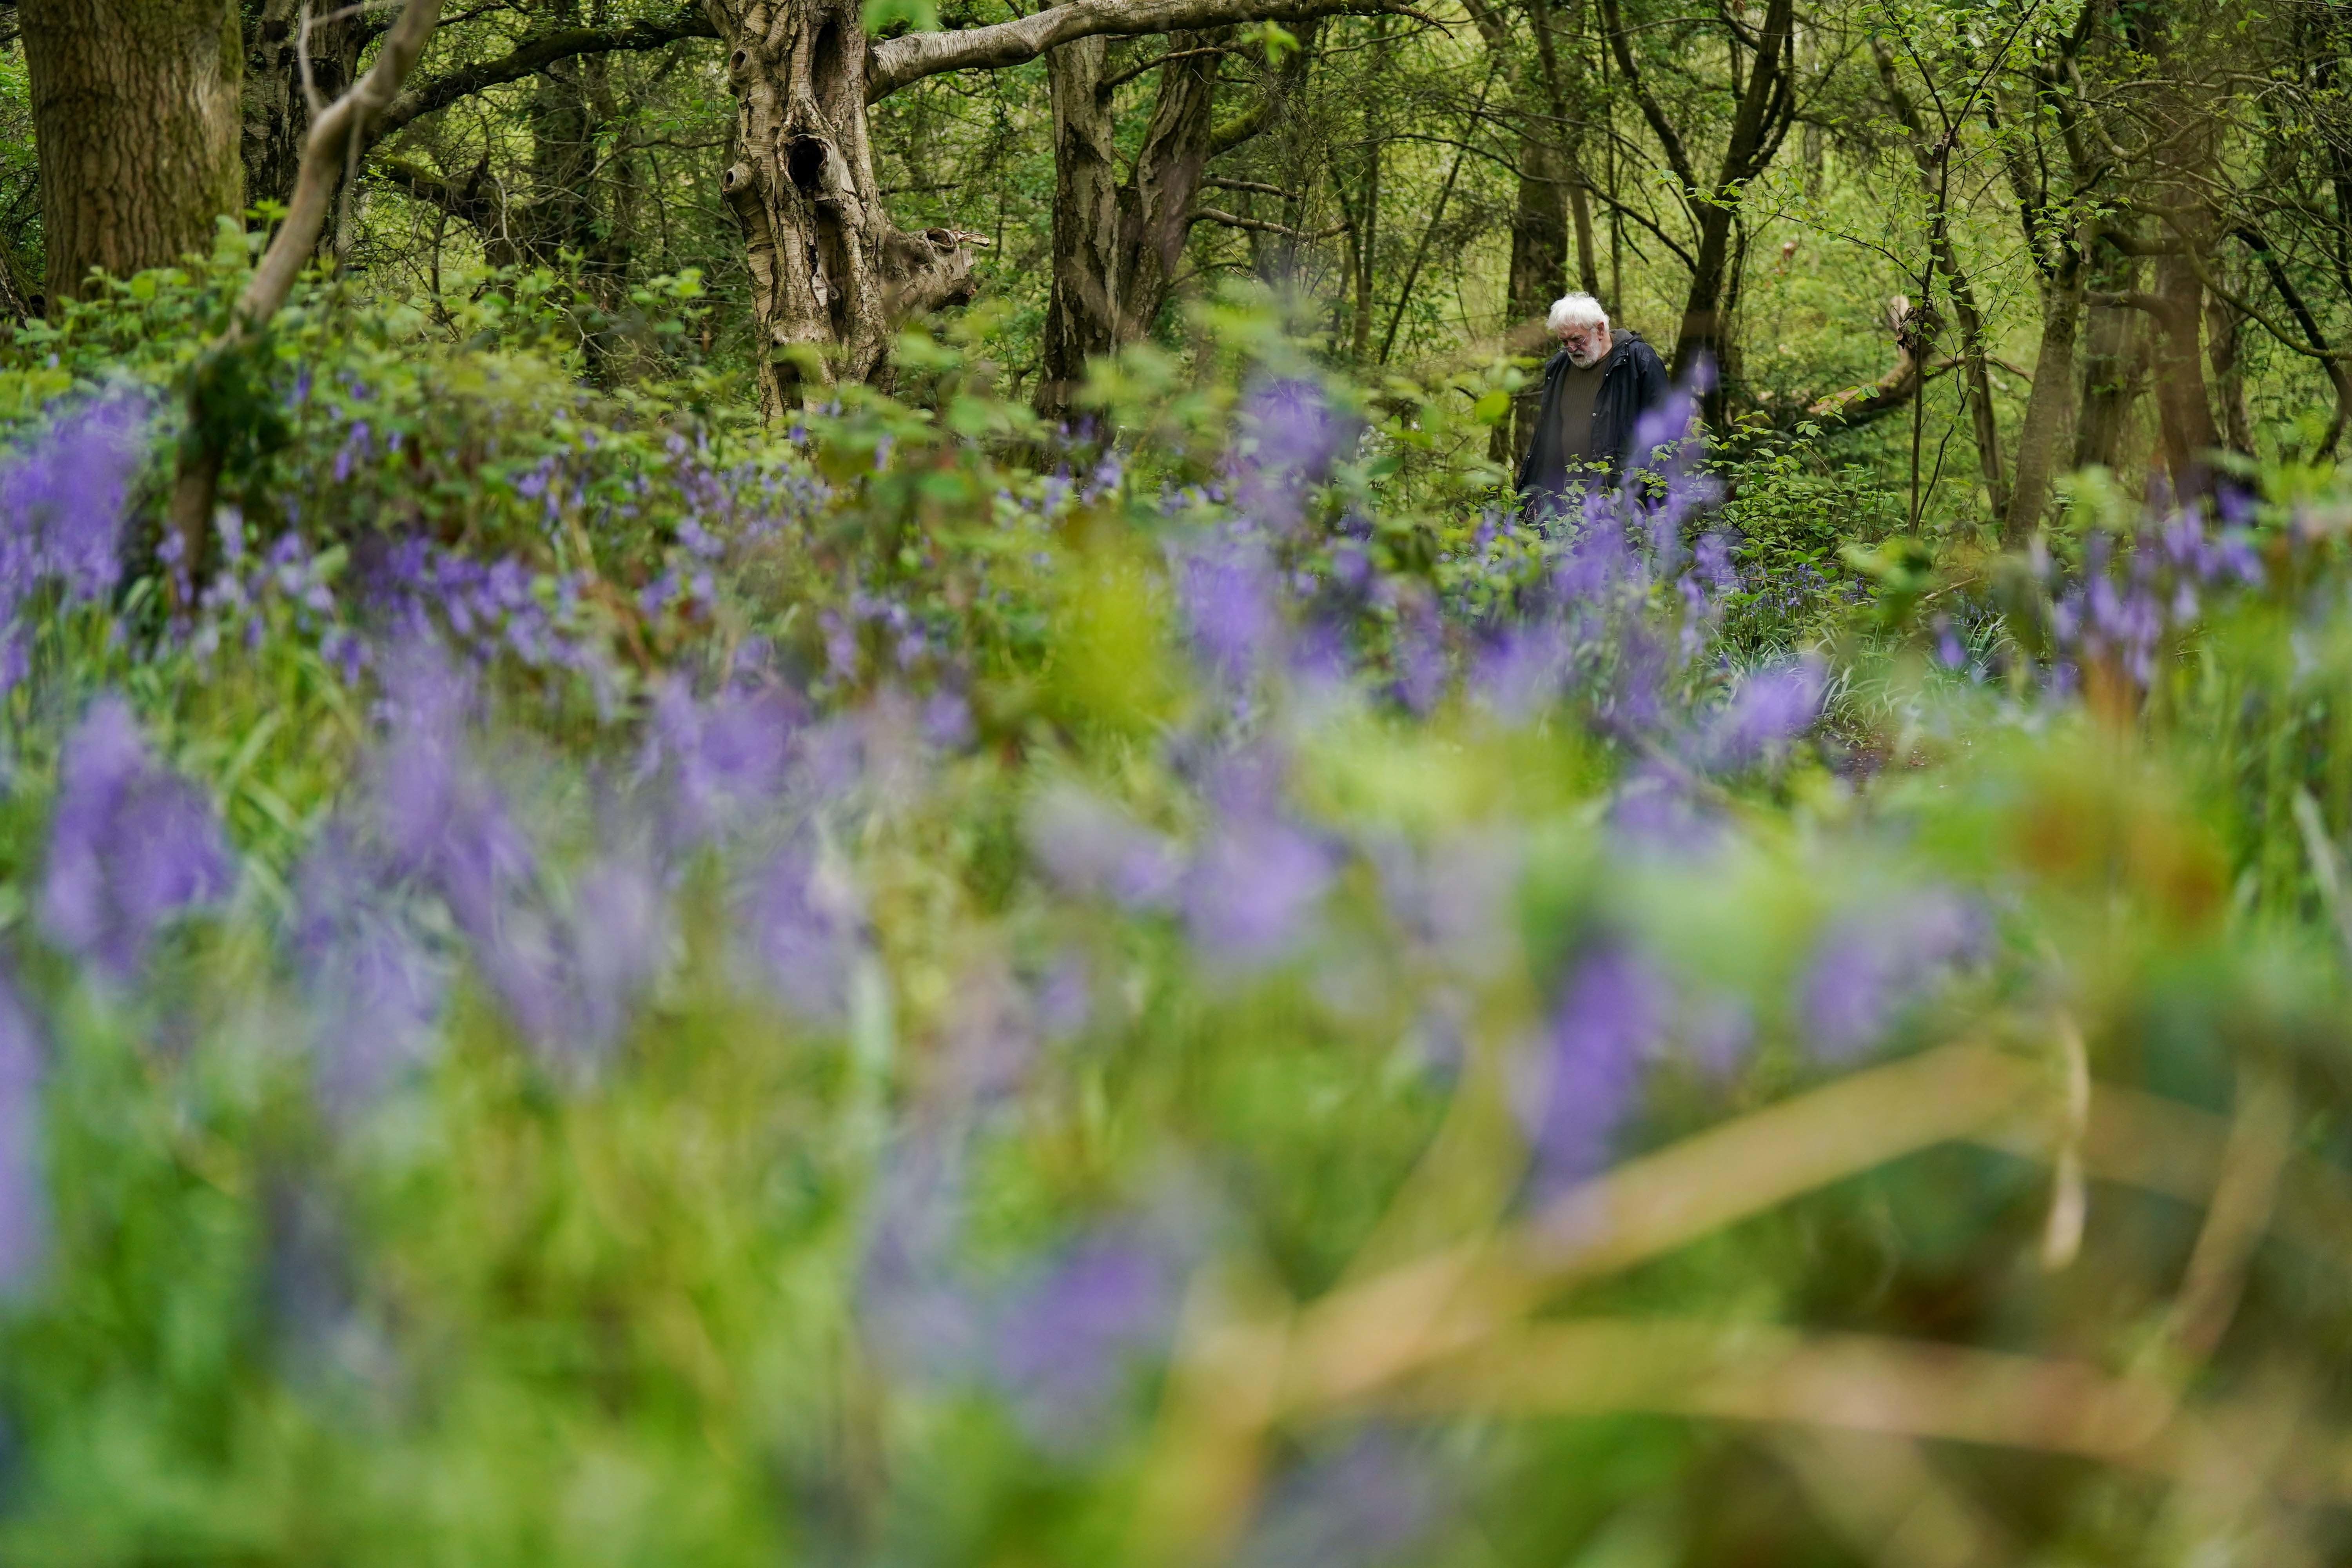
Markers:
point(1632, 381)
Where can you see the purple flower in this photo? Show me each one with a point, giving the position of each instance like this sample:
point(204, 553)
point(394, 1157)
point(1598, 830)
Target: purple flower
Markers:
point(804, 924)
point(1071, 1337)
point(1251, 886)
point(1455, 898)
point(912, 1307)
point(1092, 848)
point(1229, 596)
point(444, 822)
point(1770, 707)
point(1291, 434)
point(24, 1197)
point(62, 497)
point(1370, 1502)
point(725, 760)
point(1523, 669)
point(947, 719)
point(131, 844)
point(1421, 666)
point(617, 934)
point(373, 990)
point(1872, 964)
point(1611, 1015)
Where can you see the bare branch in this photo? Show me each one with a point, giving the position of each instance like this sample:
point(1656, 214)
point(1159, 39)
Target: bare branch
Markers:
point(1234, 220)
point(332, 135)
point(895, 62)
point(1259, 186)
point(535, 54)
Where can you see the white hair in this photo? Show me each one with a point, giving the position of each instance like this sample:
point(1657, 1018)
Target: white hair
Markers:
point(1575, 311)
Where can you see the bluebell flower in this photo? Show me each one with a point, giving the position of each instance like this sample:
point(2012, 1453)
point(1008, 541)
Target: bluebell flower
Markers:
point(1869, 966)
point(24, 1194)
point(1610, 1022)
point(1070, 1339)
point(1232, 599)
point(1370, 1501)
point(1094, 849)
point(1254, 881)
point(805, 926)
point(373, 989)
point(1770, 709)
point(131, 844)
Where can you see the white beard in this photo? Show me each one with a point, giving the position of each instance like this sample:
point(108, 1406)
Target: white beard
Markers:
point(1588, 360)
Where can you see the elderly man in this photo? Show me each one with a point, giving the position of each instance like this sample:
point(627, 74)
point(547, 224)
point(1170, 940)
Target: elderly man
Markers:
point(1595, 391)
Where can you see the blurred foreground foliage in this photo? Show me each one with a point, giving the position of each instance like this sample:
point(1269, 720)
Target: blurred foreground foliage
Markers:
point(596, 984)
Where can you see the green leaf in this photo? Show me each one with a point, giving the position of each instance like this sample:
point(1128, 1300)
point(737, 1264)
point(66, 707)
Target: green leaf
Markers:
point(1490, 409)
point(920, 16)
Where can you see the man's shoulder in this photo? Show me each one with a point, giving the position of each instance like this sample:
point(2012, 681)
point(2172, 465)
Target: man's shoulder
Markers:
point(1638, 351)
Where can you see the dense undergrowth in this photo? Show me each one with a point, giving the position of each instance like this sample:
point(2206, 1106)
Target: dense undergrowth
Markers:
point(595, 984)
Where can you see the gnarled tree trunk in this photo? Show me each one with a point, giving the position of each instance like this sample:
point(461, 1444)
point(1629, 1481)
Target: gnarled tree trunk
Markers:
point(2183, 404)
point(832, 277)
point(1082, 311)
point(136, 117)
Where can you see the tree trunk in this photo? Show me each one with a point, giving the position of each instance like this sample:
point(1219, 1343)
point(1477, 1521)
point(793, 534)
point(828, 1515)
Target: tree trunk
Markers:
point(1765, 107)
point(562, 155)
point(1701, 337)
point(1156, 206)
point(1538, 267)
point(276, 114)
point(2183, 404)
point(1117, 243)
point(1082, 311)
point(832, 277)
point(2113, 367)
point(2049, 409)
point(136, 119)
point(1363, 234)
point(2223, 326)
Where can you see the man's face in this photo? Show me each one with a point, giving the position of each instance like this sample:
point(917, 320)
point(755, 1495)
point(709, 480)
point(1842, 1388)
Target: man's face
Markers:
point(1585, 344)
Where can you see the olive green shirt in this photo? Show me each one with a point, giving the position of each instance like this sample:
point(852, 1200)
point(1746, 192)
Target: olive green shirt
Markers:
point(1578, 389)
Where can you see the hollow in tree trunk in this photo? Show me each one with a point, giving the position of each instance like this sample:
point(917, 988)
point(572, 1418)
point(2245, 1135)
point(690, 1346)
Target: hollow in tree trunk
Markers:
point(832, 277)
point(136, 118)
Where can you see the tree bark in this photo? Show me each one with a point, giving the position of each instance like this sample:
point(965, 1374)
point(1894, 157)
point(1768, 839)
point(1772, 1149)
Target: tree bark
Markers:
point(2113, 364)
point(2184, 405)
point(136, 119)
point(2223, 326)
point(277, 111)
point(2049, 409)
point(1082, 311)
point(1538, 267)
point(832, 277)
